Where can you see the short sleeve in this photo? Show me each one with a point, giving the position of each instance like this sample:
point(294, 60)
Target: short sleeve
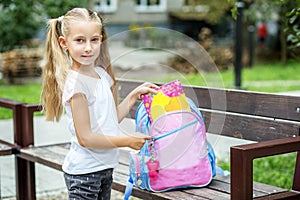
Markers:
point(73, 85)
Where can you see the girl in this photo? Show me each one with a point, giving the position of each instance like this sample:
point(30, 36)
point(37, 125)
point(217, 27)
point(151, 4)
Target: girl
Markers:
point(78, 77)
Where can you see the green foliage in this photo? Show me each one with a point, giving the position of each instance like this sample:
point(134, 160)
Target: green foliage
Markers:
point(21, 20)
point(233, 8)
point(266, 8)
point(56, 8)
point(274, 170)
point(294, 29)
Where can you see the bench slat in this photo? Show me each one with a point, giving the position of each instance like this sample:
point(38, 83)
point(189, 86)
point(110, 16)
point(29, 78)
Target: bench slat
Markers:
point(283, 195)
point(209, 192)
point(119, 184)
point(244, 126)
point(7, 148)
point(237, 101)
point(245, 102)
point(222, 184)
point(174, 194)
point(260, 190)
point(249, 128)
point(50, 155)
point(53, 156)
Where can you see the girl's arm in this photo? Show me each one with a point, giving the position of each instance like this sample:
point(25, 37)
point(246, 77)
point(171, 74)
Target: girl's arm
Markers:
point(89, 139)
point(125, 106)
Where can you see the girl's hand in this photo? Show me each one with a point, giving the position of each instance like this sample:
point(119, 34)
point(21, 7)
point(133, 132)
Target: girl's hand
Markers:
point(124, 107)
point(137, 140)
point(145, 88)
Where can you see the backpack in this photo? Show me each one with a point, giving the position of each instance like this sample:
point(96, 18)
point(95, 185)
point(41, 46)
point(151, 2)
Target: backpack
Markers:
point(177, 156)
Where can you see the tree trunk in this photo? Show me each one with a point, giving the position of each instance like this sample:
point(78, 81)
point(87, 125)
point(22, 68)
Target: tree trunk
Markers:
point(283, 36)
point(283, 46)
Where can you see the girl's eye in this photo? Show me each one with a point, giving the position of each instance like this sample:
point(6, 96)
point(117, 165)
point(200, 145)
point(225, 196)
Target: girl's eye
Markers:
point(95, 39)
point(79, 40)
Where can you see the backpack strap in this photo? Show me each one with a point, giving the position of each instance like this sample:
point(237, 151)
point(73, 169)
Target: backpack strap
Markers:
point(129, 184)
point(222, 172)
point(128, 189)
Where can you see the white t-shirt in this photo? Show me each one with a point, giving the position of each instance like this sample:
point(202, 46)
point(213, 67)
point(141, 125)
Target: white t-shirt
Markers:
point(103, 119)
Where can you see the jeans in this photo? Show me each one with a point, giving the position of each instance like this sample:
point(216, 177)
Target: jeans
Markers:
point(92, 186)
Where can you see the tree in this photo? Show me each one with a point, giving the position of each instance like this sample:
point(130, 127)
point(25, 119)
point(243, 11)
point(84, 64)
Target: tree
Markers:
point(289, 24)
point(56, 8)
point(21, 20)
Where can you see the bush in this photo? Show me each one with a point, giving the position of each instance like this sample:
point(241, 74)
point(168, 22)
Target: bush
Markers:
point(21, 20)
point(274, 170)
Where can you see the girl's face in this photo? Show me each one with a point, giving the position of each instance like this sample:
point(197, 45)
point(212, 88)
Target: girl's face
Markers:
point(83, 43)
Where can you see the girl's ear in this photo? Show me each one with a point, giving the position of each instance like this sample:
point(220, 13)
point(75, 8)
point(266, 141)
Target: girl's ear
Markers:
point(62, 42)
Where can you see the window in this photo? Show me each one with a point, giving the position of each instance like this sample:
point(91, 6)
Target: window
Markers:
point(150, 5)
point(195, 6)
point(105, 6)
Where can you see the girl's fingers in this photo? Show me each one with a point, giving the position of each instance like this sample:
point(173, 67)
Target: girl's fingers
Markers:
point(140, 135)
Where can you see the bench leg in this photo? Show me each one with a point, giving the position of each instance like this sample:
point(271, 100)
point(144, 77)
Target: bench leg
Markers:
point(296, 183)
point(241, 175)
point(25, 179)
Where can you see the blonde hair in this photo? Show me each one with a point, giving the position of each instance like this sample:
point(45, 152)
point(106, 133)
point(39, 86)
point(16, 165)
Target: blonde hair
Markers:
point(58, 62)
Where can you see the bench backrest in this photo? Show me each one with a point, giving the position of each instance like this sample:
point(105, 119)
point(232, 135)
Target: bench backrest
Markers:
point(240, 114)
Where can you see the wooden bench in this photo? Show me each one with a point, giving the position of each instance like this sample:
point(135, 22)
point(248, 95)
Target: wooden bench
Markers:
point(8, 148)
point(23, 137)
point(273, 121)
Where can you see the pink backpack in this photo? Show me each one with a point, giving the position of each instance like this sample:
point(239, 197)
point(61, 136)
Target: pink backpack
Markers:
point(178, 156)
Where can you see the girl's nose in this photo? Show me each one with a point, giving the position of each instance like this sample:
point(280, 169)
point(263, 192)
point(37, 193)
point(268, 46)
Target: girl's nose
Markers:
point(88, 47)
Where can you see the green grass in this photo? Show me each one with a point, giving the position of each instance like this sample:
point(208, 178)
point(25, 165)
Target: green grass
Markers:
point(29, 93)
point(272, 77)
point(275, 170)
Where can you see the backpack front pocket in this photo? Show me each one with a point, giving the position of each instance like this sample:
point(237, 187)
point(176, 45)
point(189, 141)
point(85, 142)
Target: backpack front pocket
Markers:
point(179, 144)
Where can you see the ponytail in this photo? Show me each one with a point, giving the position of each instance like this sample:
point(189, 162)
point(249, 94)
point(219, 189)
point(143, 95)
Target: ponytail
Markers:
point(54, 72)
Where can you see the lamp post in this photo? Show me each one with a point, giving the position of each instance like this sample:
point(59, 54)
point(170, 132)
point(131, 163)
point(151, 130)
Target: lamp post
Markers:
point(238, 45)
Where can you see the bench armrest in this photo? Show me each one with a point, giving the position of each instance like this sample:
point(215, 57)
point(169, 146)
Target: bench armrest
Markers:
point(7, 148)
point(241, 162)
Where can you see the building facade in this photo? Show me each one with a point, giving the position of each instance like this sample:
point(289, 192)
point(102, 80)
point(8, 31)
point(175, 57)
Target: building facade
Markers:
point(186, 16)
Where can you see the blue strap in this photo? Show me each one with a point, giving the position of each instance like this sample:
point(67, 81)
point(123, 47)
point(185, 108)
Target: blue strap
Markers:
point(219, 170)
point(128, 189)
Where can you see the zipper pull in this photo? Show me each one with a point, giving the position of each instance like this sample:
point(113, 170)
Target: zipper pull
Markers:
point(152, 150)
point(153, 163)
point(139, 181)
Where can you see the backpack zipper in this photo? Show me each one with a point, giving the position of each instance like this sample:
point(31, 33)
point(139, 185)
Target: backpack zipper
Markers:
point(175, 130)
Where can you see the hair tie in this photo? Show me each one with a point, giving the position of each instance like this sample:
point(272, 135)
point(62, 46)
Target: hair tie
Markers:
point(60, 18)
